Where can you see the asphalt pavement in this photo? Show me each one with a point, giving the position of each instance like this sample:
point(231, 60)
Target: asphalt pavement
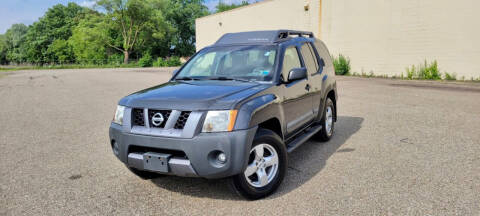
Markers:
point(400, 148)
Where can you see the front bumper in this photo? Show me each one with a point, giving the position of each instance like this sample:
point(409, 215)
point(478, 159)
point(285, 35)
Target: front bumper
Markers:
point(198, 150)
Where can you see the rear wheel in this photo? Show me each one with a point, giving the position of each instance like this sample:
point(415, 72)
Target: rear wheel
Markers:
point(266, 166)
point(327, 121)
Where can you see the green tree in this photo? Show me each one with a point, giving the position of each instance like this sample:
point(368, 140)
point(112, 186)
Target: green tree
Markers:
point(181, 14)
point(127, 20)
point(56, 24)
point(62, 50)
point(14, 43)
point(221, 7)
point(87, 40)
point(3, 50)
point(157, 36)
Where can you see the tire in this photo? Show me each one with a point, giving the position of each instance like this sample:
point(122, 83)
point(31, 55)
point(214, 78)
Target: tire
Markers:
point(327, 122)
point(145, 175)
point(262, 176)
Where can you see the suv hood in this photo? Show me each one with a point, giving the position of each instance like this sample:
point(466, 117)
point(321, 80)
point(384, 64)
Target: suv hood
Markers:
point(193, 95)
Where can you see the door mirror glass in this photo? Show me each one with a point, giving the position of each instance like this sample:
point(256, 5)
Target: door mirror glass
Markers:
point(297, 74)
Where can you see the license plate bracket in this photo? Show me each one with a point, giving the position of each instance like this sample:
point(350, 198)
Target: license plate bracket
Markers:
point(156, 162)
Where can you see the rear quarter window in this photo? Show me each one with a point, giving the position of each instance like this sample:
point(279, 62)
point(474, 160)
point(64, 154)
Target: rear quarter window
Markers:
point(309, 58)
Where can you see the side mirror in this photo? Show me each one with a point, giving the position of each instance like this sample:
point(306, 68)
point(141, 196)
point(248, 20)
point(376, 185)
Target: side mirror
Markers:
point(297, 74)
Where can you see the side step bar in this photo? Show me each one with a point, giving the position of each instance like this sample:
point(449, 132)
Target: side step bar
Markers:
point(303, 138)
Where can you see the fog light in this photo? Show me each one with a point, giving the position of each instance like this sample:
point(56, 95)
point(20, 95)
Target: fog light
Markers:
point(222, 158)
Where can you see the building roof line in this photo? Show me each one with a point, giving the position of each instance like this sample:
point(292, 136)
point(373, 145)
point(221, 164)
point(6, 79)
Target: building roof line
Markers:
point(238, 8)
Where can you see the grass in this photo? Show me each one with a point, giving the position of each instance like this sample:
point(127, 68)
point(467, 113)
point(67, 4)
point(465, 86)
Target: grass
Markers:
point(451, 76)
point(67, 66)
point(424, 71)
point(447, 77)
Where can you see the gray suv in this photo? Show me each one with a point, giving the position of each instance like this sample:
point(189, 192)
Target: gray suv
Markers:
point(235, 109)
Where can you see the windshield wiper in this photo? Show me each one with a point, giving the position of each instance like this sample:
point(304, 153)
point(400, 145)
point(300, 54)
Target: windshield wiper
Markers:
point(186, 78)
point(228, 79)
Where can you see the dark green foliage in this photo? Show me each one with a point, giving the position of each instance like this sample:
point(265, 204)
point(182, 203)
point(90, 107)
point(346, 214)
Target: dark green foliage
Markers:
point(173, 61)
point(87, 40)
point(341, 65)
point(62, 51)
point(161, 62)
point(15, 43)
point(221, 7)
point(3, 50)
point(181, 14)
point(146, 60)
point(56, 24)
point(71, 34)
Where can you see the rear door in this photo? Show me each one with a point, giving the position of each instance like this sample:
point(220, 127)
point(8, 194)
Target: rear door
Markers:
point(314, 69)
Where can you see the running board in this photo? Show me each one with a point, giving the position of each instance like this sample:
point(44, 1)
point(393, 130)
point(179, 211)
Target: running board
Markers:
point(303, 138)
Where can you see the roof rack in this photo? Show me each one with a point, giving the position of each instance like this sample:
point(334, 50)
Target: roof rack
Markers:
point(260, 36)
point(285, 33)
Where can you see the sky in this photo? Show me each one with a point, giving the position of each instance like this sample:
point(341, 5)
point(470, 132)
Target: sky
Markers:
point(28, 11)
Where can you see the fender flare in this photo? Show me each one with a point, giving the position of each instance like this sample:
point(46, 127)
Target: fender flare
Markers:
point(258, 110)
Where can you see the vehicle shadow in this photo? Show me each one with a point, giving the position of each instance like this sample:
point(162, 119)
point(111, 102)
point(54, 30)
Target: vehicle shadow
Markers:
point(310, 158)
point(304, 163)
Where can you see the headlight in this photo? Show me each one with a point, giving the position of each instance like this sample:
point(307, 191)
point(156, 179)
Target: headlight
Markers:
point(118, 118)
point(218, 121)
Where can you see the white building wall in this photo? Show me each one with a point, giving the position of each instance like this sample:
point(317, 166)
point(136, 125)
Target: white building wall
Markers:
point(386, 36)
point(379, 36)
point(265, 15)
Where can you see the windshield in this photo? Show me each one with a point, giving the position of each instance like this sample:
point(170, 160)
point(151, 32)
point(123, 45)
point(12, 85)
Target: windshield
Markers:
point(252, 63)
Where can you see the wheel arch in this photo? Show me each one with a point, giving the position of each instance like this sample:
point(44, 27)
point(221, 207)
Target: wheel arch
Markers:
point(332, 95)
point(263, 111)
point(274, 125)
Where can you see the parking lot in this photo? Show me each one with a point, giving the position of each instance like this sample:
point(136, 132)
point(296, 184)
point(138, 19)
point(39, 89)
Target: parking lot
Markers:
point(401, 147)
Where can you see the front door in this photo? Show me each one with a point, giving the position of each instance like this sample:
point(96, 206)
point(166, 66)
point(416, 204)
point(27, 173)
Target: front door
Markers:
point(297, 103)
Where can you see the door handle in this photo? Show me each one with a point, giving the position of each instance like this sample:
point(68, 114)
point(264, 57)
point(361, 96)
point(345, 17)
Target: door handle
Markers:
point(307, 87)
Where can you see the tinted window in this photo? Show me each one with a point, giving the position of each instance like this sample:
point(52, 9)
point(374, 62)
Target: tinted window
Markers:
point(310, 61)
point(318, 60)
point(246, 62)
point(290, 60)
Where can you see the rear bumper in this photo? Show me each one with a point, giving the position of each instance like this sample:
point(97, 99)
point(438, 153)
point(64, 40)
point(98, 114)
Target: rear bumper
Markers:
point(199, 151)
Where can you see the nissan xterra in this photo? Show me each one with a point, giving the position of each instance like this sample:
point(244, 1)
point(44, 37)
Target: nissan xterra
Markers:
point(235, 109)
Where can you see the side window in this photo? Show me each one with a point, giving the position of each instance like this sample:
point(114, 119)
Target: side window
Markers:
point(290, 60)
point(308, 57)
point(325, 58)
point(318, 59)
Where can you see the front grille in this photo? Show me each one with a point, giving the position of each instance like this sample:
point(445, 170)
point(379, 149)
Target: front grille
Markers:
point(182, 119)
point(138, 119)
point(165, 114)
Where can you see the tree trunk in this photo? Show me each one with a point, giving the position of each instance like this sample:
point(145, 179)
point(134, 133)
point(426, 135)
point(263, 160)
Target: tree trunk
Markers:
point(125, 57)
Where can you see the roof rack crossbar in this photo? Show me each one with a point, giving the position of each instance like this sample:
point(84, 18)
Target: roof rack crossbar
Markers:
point(261, 36)
point(282, 34)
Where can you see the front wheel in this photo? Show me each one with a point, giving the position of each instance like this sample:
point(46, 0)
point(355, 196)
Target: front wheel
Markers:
point(266, 166)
